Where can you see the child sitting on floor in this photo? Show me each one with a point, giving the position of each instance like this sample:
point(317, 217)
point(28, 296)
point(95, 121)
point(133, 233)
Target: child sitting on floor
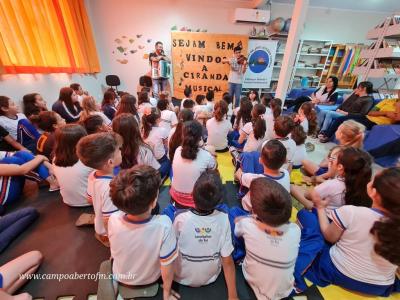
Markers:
point(359, 249)
point(271, 241)
point(48, 121)
point(283, 126)
point(95, 124)
point(71, 173)
point(168, 117)
point(212, 235)
point(9, 116)
point(156, 137)
point(307, 117)
point(218, 128)
point(15, 167)
point(252, 133)
point(299, 136)
point(100, 151)
point(90, 108)
point(175, 136)
point(135, 233)
point(350, 134)
point(273, 156)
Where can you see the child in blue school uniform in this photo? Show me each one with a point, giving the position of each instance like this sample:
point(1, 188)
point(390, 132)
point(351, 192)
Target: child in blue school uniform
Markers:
point(359, 249)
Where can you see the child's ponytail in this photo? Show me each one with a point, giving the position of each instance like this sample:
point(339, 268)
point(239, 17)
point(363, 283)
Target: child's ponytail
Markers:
point(259, 126)
point(149, 119)
point(387, 230)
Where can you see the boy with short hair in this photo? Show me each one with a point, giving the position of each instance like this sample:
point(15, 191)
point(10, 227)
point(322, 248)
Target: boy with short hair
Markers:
point(141, 244)
point(204, 237)
point(271, 241)
point(283, 126)
point(188, 95)
point(101, 151)
point(273, 156)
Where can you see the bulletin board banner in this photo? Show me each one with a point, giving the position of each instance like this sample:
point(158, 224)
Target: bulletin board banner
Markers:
point(197, 61)
point(261, 61)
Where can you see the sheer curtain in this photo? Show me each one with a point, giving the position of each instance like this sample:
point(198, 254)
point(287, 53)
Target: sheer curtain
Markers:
point(46, 36)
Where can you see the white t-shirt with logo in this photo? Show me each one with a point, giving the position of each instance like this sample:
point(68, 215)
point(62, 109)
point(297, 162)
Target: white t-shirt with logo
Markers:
point(98, 191)
point(270, 258)
point(283, 179)
point(139, 248)
point(333, 191)
point(156, 139)
point(202, 241)
point(252, 144)
point(168, 119)
point(354, 254)
point(218, 133)
point(73, 183)
point(186, 171)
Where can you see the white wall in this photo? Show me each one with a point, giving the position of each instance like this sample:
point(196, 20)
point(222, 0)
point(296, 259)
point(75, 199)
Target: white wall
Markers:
point(154, 19)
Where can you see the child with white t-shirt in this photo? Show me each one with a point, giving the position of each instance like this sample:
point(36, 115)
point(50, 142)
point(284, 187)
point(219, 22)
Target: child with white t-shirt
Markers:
point(101, 151)
point(143, 102)
point(71, 173)
point(210, 101)
point(175, 136)
point(273, 156)
point(190, 161)
point(299, 136)
point(359, 249)
point(307, 117)
point(134, 150)
point(352, 171)
point(271, 115)
point(252, 133)
point(271, 241)
point(218, 127)
point(141, 244)
point(168, 117)
point(202, 232)
point(9, 116)
point(283, 126)
point(156, 137)
point(242, 116)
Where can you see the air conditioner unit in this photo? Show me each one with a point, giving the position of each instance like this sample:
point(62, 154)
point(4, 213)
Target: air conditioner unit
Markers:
point(258, 16)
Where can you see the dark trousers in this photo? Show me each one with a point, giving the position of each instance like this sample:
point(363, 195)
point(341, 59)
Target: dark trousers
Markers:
point(297, 103)
point(12, 224)
point(338, 121)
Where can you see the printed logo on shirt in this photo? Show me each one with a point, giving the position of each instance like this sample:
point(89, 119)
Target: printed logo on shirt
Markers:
point(203, 234)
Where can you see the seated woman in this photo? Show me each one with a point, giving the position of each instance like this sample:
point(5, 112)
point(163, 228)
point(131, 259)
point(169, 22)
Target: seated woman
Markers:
point(358, 103)
point(325, 95)
point(67, 105)
point(386, 112)
point(359, 249)
point(33, 104)
point(11, 272)
point(350, 134)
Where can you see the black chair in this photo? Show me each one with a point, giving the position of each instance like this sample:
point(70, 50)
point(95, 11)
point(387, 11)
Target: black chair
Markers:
point(113, 81)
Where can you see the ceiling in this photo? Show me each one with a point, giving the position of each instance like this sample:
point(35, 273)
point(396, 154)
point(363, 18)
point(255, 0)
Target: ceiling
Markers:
point(367, 5)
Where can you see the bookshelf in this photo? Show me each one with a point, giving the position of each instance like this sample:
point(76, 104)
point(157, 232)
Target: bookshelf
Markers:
point(310, 61)
point(341, 61)
point(380, 62)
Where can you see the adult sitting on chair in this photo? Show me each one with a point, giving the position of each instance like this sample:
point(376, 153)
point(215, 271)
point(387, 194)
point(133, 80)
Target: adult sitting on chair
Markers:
point(358, 103)
point(386, 112)
point(325, 95)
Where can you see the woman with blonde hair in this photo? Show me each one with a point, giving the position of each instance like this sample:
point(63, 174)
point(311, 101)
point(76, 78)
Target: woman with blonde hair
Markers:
point(90, 108)
point(349, 134)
